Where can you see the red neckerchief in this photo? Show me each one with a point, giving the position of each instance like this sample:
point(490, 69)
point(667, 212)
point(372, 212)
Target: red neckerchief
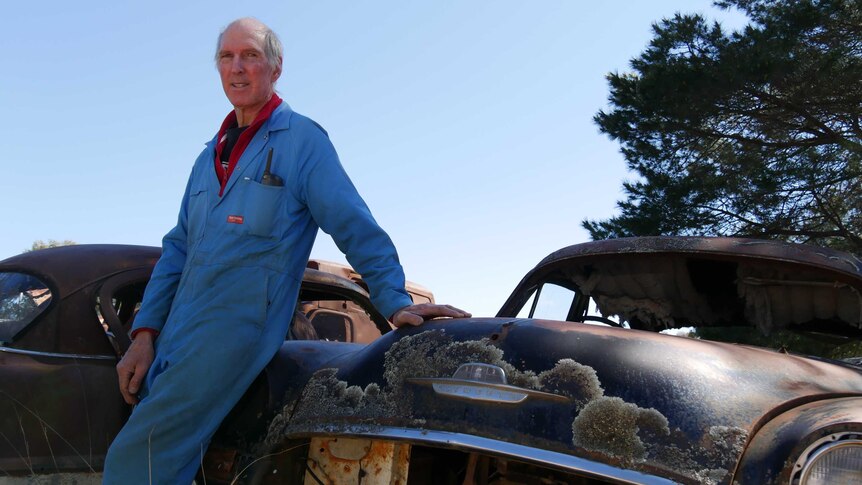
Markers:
point(243, 140)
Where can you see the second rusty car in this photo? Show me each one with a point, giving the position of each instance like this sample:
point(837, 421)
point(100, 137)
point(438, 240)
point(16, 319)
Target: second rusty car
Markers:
point(644, 360)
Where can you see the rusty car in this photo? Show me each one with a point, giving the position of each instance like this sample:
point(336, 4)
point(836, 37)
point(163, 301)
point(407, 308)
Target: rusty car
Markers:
point(65, 314)
point(640, 360)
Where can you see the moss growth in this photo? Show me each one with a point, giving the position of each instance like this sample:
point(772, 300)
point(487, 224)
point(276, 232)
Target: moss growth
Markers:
point(572, 379)
point(652, 424)
point(325, 396)
point(613, 426)
point(609, 424)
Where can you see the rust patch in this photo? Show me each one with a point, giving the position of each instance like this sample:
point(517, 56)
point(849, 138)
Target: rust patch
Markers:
point(352, 460)
point(709, 461)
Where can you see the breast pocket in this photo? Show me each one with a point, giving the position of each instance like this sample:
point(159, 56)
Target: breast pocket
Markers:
point(262, 207)
point(197, 213)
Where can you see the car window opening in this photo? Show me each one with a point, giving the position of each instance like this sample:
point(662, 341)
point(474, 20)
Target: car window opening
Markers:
point(22, 298)
point(327, 316)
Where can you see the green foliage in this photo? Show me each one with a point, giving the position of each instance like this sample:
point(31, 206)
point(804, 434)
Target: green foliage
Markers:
point(16, 308)
point(748, 133)
point(51, 243)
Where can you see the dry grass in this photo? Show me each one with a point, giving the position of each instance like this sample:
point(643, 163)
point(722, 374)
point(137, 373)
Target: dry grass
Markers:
point(55, 479)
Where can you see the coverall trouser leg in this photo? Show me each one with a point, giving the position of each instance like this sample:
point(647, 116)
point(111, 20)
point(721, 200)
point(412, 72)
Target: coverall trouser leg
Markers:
point(194, 382)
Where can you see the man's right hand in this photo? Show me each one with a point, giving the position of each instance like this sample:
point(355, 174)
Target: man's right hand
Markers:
point(134, 365)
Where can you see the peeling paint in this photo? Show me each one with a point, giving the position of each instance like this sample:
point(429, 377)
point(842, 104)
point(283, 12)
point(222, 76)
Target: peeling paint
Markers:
point(726, 439)
point(711, 460)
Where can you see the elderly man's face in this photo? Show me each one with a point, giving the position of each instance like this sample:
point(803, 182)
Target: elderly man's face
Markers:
point(246, 75)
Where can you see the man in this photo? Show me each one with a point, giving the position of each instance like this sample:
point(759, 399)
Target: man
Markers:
point(220, 300)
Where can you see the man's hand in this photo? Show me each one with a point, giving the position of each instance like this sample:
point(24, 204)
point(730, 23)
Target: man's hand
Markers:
point(416, 314)
point(134, 365)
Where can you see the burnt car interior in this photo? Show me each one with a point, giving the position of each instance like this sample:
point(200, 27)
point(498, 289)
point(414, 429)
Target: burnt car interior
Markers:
point(785, 307)
point(335, 318)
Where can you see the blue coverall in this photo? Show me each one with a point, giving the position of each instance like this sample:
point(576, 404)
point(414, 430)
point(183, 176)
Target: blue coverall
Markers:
point(223, 293)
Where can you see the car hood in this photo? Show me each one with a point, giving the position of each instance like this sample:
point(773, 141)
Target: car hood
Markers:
point(670, 406)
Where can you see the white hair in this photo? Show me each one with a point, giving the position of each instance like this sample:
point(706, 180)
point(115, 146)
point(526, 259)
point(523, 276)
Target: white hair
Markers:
point(272, 47)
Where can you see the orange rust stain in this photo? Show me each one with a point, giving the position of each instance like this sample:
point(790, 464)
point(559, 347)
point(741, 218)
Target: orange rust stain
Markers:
point(346, 468)
point(324, 450)
point(380, 452)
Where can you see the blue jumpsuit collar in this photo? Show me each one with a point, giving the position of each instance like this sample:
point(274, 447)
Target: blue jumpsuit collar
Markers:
point(278, 120)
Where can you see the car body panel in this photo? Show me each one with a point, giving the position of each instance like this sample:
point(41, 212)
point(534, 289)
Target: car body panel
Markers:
point(702, 399)
point(769, 457)
point(57, 411)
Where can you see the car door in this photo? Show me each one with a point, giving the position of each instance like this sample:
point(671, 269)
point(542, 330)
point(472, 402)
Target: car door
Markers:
point(60, 405)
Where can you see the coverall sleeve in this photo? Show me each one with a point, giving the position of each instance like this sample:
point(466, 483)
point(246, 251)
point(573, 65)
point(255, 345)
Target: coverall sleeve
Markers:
point(339, 210)
point(159, 295)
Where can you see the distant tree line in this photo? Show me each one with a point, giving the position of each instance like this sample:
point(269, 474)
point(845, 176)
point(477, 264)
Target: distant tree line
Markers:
point(50, 243)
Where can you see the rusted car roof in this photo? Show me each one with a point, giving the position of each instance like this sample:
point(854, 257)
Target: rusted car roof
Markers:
point(743, 248)
point(69, 268)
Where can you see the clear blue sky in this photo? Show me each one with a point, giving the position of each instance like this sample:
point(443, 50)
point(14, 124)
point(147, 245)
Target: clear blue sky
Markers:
point(467, 126)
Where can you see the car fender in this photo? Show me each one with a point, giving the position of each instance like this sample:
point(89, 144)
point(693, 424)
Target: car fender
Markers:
point(771, 455)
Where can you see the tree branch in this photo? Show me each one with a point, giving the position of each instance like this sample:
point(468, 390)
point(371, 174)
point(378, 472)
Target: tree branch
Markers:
point(728, 213)
point(779, 101)
point(811, 142)
point(827, 211)
point(801, 232)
